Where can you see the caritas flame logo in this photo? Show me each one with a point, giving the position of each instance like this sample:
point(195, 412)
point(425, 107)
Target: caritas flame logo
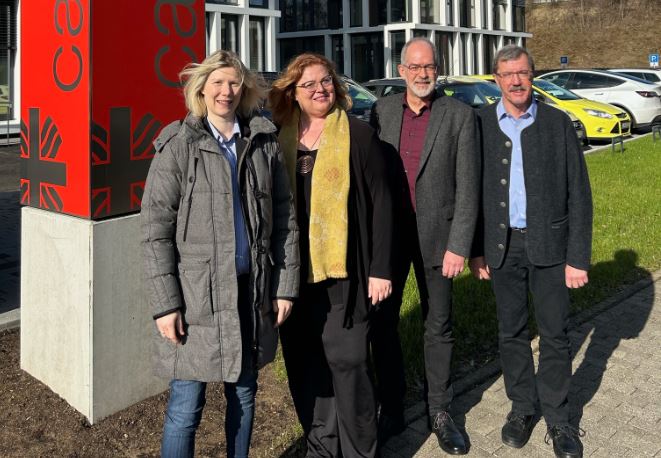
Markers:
point(120, 161)
point(40, 145)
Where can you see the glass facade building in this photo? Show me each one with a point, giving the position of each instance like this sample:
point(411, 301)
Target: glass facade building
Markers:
point(365, 37)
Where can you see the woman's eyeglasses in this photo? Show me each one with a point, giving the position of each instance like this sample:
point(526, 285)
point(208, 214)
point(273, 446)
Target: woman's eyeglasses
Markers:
point(311, 86)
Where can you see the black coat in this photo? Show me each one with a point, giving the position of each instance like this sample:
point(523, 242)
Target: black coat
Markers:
point(370, 222)
point(559, 201)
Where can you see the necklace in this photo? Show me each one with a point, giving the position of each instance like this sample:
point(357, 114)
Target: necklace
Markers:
point(311, 147)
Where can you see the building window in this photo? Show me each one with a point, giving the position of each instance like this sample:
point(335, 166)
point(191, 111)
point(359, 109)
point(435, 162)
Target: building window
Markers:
point(397, 40)
point(291, 47)
point(490, 43)
point(476, 54)
point(444, 48)
point(428, 12)
point(463, 57)
point(399, 10)
point(7, 58)
point(485, 13)
point(467, 13)
point(229, 32)
point(299, 15)
point(257, 44)
point(223, 2)
point(519, 15)
point(356, 13)
point(367, 56)
point(259, 3)
point(337, 44)
point(449, 12)
point(499, 11)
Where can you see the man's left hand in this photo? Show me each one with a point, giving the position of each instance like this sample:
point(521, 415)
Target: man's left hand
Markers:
point(282, 309)
point(378, 289)
point(453, 264)
point(575, 278)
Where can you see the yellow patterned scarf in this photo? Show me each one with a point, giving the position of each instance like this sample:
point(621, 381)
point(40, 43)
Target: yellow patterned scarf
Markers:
point(329, 215)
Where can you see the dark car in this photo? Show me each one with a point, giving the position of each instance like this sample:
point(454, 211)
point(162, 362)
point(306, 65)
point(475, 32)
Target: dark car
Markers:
point(471, 91)
point(362, 98)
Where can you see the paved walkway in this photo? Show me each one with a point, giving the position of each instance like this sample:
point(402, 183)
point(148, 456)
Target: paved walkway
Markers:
point(615, 393)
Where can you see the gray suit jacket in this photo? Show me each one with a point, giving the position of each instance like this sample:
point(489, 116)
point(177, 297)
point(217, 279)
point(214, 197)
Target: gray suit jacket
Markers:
point(558, 197)
point(447, 184)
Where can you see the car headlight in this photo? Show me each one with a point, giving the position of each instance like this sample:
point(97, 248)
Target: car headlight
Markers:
point(598, 113)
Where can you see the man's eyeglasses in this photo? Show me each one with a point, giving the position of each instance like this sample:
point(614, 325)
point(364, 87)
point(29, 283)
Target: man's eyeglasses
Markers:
point(311, 86)
point(523, 74)
point(415, 68)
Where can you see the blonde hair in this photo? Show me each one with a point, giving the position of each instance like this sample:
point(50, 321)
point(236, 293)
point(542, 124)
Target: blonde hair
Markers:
point(194, 76)
point(282, 99)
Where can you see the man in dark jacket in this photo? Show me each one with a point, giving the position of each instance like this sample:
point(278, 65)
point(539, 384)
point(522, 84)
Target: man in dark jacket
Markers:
point(535, 236)
point(432, 146)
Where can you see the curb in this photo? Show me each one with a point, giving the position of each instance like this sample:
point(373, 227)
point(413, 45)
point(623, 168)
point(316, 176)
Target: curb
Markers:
point(10, 320)
point(492, 369)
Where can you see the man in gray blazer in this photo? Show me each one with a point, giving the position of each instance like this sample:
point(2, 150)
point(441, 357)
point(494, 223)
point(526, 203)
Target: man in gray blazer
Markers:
point(431, 143)
point(535, 236)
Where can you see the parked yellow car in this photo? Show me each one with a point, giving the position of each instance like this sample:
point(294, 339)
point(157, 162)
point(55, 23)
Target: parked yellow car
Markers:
point(600, 120)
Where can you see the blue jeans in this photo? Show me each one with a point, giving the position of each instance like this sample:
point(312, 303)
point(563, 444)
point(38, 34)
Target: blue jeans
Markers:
point(187, 399)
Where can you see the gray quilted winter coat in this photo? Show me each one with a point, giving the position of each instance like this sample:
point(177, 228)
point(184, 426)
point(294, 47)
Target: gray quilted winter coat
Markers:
point(188, 244)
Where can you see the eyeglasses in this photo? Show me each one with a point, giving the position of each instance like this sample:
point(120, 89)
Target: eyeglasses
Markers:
point(415, 68)
point(523, 74)
point(311, 86)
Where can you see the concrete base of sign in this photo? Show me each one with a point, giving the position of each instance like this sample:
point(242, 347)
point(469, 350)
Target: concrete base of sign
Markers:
point(85, 326)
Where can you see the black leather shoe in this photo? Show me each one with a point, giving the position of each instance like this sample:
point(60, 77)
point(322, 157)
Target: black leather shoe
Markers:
point(389, 426)
point(449, 438)
point(566, 441)
point(516, 430)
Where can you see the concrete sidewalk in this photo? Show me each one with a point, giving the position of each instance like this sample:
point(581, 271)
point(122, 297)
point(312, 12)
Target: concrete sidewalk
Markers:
point(615, 393)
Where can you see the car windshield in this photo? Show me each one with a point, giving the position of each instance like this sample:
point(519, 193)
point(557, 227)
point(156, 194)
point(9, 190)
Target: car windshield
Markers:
point(361, 97)
point(474, 94)
point(555, 90)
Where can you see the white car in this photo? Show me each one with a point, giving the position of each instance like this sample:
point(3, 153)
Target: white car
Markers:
point(641, 100)
point(653, 75)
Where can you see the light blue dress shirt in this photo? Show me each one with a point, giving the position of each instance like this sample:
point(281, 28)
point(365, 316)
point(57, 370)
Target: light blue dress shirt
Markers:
point(513, 127)
point(242, 244)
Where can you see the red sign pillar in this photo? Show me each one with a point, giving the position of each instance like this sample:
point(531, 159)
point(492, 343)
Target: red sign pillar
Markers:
point(99, 81)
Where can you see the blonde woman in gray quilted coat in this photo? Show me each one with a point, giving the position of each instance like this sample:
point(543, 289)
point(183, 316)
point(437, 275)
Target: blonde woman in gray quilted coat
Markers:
point(221, 250)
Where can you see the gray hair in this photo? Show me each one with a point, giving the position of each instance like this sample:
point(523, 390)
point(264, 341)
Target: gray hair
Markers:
point(512, 52)
point(418, 40)
point(195, 77)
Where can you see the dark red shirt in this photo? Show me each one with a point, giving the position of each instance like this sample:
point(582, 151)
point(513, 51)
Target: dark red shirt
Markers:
point(412, 140)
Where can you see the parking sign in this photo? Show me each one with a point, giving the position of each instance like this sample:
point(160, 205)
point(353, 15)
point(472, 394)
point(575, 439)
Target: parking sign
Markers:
point(654, 60)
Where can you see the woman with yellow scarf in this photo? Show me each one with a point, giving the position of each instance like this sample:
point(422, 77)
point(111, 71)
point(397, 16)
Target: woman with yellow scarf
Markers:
point(344, 215)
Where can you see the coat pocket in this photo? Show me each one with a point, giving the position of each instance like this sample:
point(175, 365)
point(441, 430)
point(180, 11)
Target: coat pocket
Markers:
point(558, 223)
point(195, 278)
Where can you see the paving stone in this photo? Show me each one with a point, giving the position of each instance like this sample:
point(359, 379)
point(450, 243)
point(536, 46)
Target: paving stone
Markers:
point(488, 444)
point(610, 451)
point(637, 440)
point(487, 423)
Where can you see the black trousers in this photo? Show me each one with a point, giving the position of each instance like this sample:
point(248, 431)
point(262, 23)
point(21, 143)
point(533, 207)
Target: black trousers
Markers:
point(511, 284)
point(329, 377)
point(436, 304)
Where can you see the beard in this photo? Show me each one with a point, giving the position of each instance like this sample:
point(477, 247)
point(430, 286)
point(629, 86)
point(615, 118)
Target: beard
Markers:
point(423, 92)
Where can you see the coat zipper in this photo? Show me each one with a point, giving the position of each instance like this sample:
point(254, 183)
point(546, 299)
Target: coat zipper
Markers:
point(190, 196)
